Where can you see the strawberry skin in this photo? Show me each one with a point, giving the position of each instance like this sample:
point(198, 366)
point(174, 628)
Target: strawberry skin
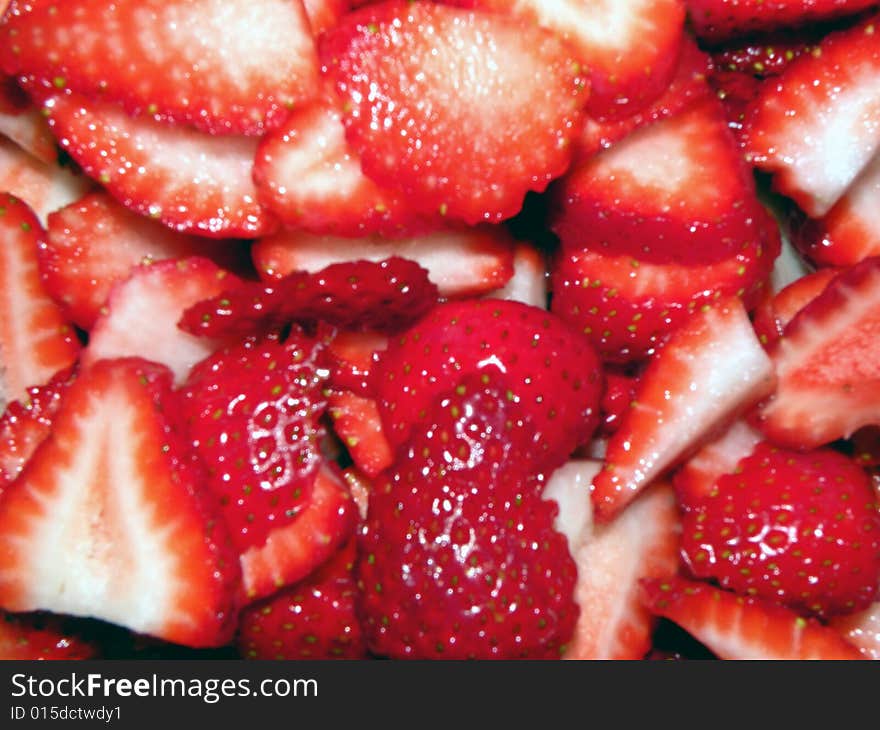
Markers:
point(775, 312)
point(458, 557)
point(108, 519)
point(552, 371)
point(315, 619)
point(414, 103)
point(740, 628)
point(225, 67)
point(29, 637)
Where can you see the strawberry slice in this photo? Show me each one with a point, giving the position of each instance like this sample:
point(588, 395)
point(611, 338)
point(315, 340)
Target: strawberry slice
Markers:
point(739, 628)
point(310, 177)
point(25, 424)
point(720, 20)
point(462, 112)
point(94, 243)
point(552, 372)
point(774, 313)
point(36, 340)
point(29, 131)
point(712, 369)
point(677, 191)
point(768, 54)
point(862, 629)
point(850, 232)
point(827, 373)
point(143, 310)
point(29, 637)
point(315, 619)
point(628, 307)
point(106, 520)
point(358, 423)
point(224, 67)
point(812, 126)
point(354, 357)
point(464, 262)
point(629, 47)
point(325, 14)
point(291, 553)
point(190, 181)
point(529, 281)
point(388, 294)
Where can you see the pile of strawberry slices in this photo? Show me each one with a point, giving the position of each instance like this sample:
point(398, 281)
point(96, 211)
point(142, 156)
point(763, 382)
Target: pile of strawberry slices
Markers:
point(440, 330)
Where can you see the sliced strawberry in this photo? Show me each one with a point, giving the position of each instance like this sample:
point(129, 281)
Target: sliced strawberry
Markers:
point(774, 313)
point(712, 369)
point(36, 340)
point(862, 629)
point(628, 307)
point(29, 131)
point(812, 125)
point(355, 354)
point(383, 295)
point(789, 266)
point(849, 233)
point(95, 243)
point(736, 91)
point(552, 371)
point(293, 552)
point(529, 281)
point(25, 424)
point(29, 637)
point(225, 67)
point(463, 262)
point(739, 628)
point(190, 181)
point(315, 619)
point(677, 191)
point(469, 133)
point(620, 392)
point(697, 477)
point(310, 177)
point(825, 363)
point(719, 20)
point(767, 54)
point(43, 187)
point(687, 86)
point(143, 310)
point(325, 14)
point(360, 487)
point(107, 520)
point(358, 423)
point(252, 410)
point(641, 543)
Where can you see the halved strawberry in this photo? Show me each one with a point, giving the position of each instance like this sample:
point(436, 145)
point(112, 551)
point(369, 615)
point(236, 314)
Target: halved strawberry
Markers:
point(107, 520)
point(225, 67)
point(735, 627)
point(611, 559)
point(862, 629)
point(775, 312)
point(29, 637)
point(315, 619)
point(825, 362)
point(676, 191)
point(462, 112)
point(36, 339)
point(310, 177)
point(94, 243)
point(383, 295)
point(358, 423)
point(712, 369)
point(25, 424)
point(629, 307)
point(143, 310)
point(462, 262)
point(849, 233)
point(189, 180)
point(813, 126)
point(529, 281)
point(552, 372)
point(719, 20)
point(629, 47)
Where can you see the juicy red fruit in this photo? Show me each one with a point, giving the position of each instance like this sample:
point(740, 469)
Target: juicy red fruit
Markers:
point(801, 529)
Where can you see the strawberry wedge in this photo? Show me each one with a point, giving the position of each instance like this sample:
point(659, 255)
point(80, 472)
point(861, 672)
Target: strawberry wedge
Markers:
point(710, 371)
point(465, 134)
point(739, 628)
point(36, 339)
point(826, 364)
point(106, 520)
point(861, 629)
point(225, 67)
point(191, 181)
point(814, 127)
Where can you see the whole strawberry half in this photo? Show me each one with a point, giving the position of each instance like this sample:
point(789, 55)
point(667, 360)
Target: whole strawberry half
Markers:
point(252, 412)
point(458, 556)
point(802, 529)
point(552, 371)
